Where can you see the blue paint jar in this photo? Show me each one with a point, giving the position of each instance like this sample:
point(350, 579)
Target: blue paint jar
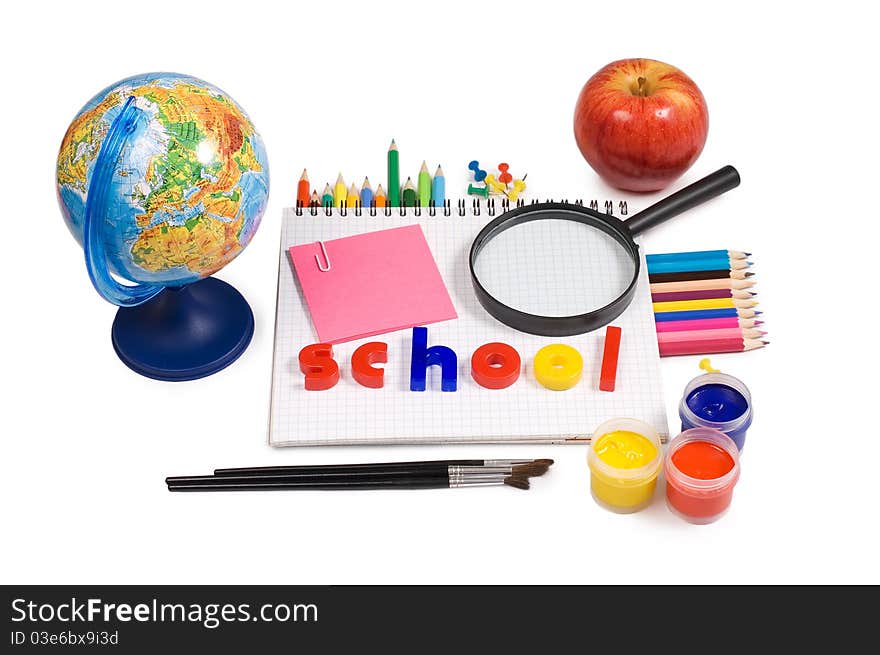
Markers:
point(720, 401)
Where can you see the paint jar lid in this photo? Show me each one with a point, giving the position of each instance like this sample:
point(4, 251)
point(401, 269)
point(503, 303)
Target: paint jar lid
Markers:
point(633, 475)
point(728, 424)
point(701, 485)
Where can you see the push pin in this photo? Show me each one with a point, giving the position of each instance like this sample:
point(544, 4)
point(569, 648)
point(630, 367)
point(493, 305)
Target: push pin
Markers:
point(518, 187)
point(494, 185)
point(479, 174)
point(503, 176)
point(482, 191)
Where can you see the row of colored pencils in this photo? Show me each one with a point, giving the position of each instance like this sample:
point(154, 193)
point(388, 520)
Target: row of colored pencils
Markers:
point(704, 302)
point(427, 191)
point(436, 474)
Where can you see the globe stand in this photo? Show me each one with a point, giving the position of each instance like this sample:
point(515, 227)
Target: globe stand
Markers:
point(184, 333)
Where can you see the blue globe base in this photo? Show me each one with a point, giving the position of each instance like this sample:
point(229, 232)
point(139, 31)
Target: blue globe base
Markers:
point(184, 333)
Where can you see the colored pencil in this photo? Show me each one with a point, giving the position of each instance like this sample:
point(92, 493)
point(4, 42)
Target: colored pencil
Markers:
point(708, 347)
point(708, 335)
point(327, 196)
point(699, 275)
point(315, 200)
point(339, 192)
point(707, 324)
point(380, 198)
point(705, 313)
point(438, 188)
point(351, 198)
point(424, 185)
point(366, 194)
point(393, 175)
point(409, 194)
point(302, 190)
point(698, 265)
point(701, 294)
point(698, 254)
point(711, 303)
point(696, 285)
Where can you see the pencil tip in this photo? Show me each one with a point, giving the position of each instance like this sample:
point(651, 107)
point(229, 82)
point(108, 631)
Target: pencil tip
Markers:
point(749, 274)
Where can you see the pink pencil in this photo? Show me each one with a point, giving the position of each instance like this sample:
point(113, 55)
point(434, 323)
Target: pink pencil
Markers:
point(710, 346)
point(706, 324)
point(703, 335)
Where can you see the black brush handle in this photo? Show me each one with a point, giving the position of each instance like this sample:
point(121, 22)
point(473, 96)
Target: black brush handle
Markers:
point(721, 181)
point(408, 483)
point(348, 468)
point(438, 471)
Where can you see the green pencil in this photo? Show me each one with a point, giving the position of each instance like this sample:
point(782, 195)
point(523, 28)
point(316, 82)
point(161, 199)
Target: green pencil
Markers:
point(409, 194)
point(327, 197)
point(393, 175)
point(424, 186)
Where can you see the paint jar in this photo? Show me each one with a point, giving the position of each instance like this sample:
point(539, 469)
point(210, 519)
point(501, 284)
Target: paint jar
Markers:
point(701, 469)
point(624, 459)
point(719, 401)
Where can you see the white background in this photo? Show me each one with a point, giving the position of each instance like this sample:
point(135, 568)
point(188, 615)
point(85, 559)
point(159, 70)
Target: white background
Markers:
point(792, 96)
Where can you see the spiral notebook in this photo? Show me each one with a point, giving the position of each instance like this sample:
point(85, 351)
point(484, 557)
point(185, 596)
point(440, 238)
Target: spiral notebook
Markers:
point(525, 412)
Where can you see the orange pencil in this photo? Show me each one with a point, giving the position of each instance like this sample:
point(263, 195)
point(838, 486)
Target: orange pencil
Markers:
point(379, 198)
point(303, 193)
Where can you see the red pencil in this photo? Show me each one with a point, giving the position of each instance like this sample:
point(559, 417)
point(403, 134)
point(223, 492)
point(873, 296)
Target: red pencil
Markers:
point(709, 347)
point(303, 192)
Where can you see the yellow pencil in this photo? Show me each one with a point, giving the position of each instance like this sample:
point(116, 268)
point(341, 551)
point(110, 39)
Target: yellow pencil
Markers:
point(711, 303)
point(339, 192)
point(351, 199)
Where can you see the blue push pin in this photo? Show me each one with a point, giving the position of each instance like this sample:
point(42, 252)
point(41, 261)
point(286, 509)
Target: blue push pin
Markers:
point(423, 357)
point(479, 174)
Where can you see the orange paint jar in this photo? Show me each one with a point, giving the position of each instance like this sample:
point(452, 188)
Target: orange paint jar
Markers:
point(701, 468)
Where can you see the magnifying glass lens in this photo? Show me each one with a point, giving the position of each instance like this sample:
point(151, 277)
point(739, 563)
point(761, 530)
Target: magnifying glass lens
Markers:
point(554, 268)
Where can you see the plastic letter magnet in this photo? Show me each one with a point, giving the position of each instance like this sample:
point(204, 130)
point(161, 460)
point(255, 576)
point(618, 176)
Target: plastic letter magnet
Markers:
point(321, 370)
point(362, 360)
point(423, 357)
point(495, 365)
point(558, 367)
point(608, 377)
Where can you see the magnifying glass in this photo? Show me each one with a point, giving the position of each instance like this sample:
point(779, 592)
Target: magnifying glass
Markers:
point(556, 269)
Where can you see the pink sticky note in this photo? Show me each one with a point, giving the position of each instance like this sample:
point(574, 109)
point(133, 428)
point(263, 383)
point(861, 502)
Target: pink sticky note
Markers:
point(377, 282)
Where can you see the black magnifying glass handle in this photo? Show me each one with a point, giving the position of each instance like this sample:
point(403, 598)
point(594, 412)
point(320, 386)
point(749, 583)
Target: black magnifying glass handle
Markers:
point(721, 181)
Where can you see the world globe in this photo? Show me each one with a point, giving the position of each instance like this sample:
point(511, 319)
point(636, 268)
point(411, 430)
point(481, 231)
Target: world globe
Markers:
point(162, 178)
point(189, 189)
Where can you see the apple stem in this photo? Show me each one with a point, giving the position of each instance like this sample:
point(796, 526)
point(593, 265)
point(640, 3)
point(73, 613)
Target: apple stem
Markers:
point(643, 89)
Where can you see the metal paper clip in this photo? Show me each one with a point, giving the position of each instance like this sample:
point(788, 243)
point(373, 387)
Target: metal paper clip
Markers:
point(321, 268)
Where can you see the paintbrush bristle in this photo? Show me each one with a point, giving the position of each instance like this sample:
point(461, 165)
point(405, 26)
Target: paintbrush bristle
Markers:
point(516, 481)
point(532, 470)
point(548, 462)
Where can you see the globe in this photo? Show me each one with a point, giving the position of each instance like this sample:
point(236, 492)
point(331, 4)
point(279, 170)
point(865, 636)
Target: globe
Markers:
point(189, 189)
point(162, 179)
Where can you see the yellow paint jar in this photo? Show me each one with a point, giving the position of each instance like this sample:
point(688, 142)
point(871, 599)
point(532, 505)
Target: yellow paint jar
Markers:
point(624, 459)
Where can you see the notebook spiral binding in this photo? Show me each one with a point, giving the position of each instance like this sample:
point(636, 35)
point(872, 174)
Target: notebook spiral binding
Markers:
point(460, 207)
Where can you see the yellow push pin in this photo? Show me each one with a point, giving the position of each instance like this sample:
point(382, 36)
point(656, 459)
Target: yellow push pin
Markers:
point(706, 365)
point(518, 187)
point(494, 185)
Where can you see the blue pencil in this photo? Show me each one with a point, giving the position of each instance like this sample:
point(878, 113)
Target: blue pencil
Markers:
point(366, 194)
point(699, 314)
point(438, 188)
point(683, 265)
point(698, 254)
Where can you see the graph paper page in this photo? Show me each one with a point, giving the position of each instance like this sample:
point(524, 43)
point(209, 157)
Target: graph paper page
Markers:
point(524, 412)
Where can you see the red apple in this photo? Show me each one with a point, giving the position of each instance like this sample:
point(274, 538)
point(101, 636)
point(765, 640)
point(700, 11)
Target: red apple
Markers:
point(640, 123)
